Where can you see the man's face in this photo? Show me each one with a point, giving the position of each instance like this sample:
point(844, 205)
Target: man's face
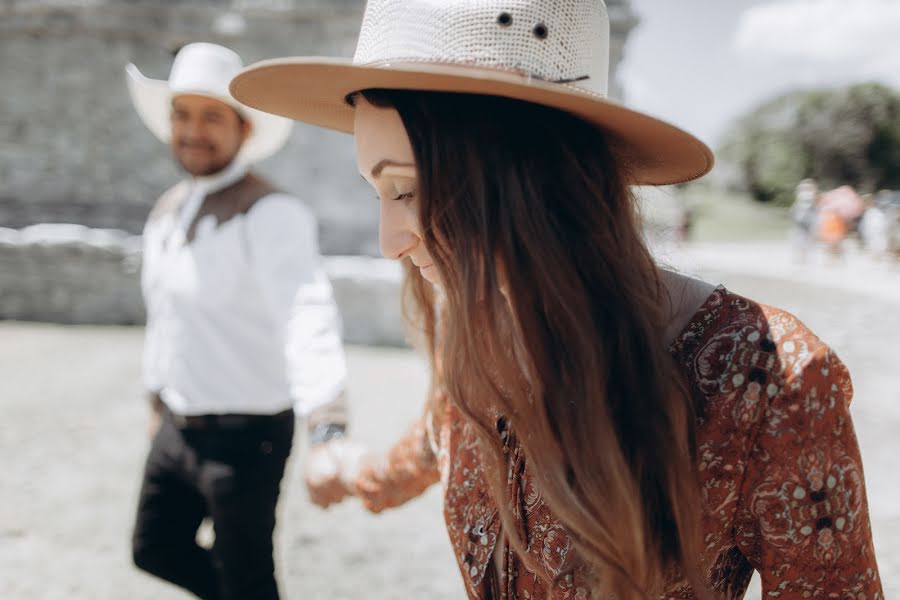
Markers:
point(206, 134)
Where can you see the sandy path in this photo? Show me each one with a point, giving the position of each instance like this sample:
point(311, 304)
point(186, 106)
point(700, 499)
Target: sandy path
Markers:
point(73, 443)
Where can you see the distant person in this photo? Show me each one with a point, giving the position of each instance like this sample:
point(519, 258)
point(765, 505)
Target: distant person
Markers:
point(242, 335)
point(889, 203)
point(893, 215)
point(839, 212)
point(686, 218)
point(874, 230)
point(832, 231)
point(803, 216)
point(601, 427)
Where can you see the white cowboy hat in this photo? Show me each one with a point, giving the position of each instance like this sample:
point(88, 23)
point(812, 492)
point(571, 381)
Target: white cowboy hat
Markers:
point(550, 52)
point(204, 69)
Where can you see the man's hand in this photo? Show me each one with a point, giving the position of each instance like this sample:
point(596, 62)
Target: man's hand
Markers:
point(323, 474)
point(154, 424)
point(156, 410)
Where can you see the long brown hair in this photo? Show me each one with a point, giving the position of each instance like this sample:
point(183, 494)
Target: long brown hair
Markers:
point(554, 317)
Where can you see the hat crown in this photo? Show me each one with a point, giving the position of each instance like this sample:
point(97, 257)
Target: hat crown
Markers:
point(565, 41)
point(204, 69)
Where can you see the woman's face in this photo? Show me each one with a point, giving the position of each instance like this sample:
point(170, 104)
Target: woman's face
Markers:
point(385, 159)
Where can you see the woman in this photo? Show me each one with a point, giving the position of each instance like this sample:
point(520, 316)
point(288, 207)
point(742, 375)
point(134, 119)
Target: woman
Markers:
point(601, 427)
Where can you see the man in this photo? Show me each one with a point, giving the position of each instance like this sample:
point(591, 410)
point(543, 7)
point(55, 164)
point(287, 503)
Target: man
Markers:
point(242, 330)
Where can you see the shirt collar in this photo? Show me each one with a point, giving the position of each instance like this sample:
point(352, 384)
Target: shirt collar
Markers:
point(209, 184)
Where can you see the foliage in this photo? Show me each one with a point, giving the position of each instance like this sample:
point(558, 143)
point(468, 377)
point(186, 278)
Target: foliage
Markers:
point(845, 136)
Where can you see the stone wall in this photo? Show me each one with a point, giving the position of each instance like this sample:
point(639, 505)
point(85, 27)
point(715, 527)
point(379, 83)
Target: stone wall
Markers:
point(72, 149)
point(78, 275)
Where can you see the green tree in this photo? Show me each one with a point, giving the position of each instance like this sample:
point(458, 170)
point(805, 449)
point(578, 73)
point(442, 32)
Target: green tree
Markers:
point(845, 136)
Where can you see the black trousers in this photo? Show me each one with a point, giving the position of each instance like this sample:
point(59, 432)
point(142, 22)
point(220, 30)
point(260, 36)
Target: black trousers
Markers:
point(230, 474)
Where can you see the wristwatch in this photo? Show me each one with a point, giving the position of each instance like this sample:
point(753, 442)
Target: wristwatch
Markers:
point(325, 432)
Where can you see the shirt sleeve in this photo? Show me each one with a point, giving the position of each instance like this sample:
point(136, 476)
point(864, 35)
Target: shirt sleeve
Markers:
point(803, 522)
point(283, 246)
point(150, 367)
point(154, 233)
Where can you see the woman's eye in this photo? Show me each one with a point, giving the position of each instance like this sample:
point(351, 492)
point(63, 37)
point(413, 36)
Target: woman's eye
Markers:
point(406, 196)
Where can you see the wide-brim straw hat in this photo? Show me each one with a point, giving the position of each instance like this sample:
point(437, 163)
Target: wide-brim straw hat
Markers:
point(205, 70)
point(549, 52)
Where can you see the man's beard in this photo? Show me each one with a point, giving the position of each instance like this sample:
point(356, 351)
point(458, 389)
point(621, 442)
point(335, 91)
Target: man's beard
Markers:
point(203, 168)
point(200, 157)
point(205, 171)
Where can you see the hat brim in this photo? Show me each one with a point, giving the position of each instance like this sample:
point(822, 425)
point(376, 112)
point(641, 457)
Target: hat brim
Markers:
point(315, 89)
point(152, 99)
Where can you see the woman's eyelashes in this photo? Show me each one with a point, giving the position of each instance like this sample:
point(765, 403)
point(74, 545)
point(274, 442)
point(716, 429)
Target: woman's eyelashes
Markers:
point(405, 197)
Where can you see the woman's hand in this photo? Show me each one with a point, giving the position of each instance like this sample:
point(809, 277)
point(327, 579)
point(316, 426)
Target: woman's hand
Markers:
point(369, 486)
point(332, 469)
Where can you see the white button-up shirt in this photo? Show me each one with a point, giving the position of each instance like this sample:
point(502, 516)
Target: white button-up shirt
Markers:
point(242, 319)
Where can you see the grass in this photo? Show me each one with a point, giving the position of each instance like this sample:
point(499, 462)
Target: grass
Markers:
point(730, 216)
point(718, 215)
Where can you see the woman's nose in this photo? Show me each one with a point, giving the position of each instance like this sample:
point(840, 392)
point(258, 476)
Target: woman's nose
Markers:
point(395, 233)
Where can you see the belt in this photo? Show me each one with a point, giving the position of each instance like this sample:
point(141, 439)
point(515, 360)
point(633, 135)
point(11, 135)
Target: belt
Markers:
point(226, 421)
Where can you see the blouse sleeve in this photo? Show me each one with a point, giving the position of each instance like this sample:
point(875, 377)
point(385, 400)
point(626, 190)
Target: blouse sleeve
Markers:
point(803, 522)
point(407, 470)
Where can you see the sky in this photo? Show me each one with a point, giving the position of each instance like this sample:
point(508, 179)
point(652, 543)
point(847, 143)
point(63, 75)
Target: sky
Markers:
point(702, 63)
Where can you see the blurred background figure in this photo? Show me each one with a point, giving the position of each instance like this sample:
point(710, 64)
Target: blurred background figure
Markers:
point(685, 223)
point(839, 211)
point(880, 227)
point(803, 216)
point(874, 229)
point(890, 204)
point(242, 332)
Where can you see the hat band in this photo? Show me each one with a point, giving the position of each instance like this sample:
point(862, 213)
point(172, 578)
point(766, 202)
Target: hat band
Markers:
point(387, 63)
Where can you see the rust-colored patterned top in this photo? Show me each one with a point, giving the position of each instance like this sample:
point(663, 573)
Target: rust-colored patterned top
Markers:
point(778, 460)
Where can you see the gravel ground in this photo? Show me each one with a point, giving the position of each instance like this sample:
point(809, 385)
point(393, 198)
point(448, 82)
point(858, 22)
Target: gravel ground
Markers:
point(73, 442)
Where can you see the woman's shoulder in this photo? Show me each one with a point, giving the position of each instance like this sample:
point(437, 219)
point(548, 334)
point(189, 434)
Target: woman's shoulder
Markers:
point(733, 341)
point(777, 455)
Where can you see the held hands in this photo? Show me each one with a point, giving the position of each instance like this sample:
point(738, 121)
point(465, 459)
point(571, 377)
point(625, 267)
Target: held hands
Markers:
point(370, 487)
point(332, 469)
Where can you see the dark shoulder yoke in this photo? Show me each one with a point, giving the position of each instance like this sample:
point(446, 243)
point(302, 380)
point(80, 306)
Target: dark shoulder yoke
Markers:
point(236, 199)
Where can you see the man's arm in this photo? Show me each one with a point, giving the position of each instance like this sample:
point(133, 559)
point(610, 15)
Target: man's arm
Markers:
point(283, 243)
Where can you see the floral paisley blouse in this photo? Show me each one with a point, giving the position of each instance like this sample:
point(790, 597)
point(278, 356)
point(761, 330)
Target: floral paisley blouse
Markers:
point(779, 467)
